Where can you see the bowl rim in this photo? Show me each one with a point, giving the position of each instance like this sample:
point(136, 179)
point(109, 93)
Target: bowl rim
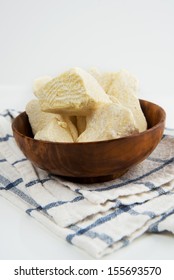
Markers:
point(162, 121)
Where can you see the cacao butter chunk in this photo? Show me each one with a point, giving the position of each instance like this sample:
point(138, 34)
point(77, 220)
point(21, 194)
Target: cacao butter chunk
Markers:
point(40, 83)
point(126, 80)
point(110, 121)
point(38, 119)
point(54, 131)
point(124, 92)
point(74, 92)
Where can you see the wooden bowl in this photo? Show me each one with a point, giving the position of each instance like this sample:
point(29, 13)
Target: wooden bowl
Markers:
point(92, 161)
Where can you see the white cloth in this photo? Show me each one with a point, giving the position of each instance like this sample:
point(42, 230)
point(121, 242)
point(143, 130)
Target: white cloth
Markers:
point(98, 218)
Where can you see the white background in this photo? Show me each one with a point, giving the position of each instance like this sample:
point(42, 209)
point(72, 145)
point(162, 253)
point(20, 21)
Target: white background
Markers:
point(46, 37)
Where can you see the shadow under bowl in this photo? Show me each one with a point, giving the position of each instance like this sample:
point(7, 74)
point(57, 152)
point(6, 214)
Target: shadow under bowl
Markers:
point(92, 162)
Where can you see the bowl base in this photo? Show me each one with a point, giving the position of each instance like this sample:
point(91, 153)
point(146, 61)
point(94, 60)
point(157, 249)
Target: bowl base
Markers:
point(99, 179)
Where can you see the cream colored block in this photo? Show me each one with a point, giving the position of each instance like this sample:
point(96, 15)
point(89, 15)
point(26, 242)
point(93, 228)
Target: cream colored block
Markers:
point(128, 81)
point(110, 121)
point(74, 92)
point(105, 79)
point(38, 119)
point(124, 91)
point(98, 75)
point(40, 83)
point(123, 81)
point(54, 131)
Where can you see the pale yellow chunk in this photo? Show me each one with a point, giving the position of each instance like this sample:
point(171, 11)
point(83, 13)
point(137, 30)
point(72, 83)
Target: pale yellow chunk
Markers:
point(54, 132)
point(74, 92)
point(123, 81)
point(126, 80)
point(38, 119)
point(122, 90)
point(105, 79)
point(108, 122)
point(40, 83)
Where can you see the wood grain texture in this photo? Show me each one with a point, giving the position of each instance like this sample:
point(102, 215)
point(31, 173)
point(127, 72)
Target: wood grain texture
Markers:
point(93, 161)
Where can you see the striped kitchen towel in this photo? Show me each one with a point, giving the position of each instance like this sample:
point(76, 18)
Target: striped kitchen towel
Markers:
point(97, 218)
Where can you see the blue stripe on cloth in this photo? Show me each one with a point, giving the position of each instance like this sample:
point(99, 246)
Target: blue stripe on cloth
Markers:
point(38, 208)
point(25, 197)
point(5, 138)
point(102, 236)
point(3, 160)
point(113, 215)
point(102, 220)
point(61, 202)
point(4, 114)
point(152, 187)
point(9, 112)
point(18, 161)
point(149, 185)
point(77, 191)
point(93, 234)
point(149, 213)
point(156, 159)
point(7, 185)
point(171, 160)
point(12, 186)
point(160, 190)
point(154, 227)
point(125, 241)
point(34, 182)
point(55, 204)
